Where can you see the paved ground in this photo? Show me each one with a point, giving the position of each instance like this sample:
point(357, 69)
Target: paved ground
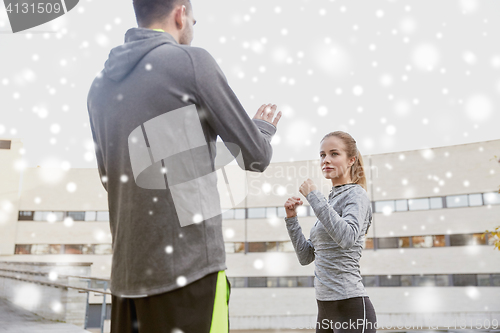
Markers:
point(18, 320)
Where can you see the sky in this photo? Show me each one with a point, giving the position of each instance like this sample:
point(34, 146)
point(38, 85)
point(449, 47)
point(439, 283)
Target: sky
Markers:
point(396, 75)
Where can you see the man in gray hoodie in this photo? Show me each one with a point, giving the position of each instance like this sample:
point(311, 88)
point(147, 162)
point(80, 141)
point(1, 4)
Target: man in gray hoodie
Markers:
point(155, 113)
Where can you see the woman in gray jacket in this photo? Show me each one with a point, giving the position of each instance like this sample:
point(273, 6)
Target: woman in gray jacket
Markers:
point(337, 238)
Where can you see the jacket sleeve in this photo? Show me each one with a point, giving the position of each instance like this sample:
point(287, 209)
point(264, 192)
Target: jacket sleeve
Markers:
point(99, 156)
point(227, 117)
point(344, 230)
point(303, 248)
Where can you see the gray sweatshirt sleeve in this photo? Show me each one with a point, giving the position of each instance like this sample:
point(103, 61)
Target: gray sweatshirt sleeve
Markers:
point(101, 168)
point(226, 115)
point(344, 230)
point(303, 248)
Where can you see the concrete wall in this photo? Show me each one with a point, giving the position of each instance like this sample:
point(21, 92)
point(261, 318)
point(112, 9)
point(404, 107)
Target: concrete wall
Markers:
point(268, 308)
point(10, 178)
point(474, 162)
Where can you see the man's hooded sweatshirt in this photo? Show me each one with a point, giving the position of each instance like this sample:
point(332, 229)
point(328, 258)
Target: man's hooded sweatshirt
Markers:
point(146, 78)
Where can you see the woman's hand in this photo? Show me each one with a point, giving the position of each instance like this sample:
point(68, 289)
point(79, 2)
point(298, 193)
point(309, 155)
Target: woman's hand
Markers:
point(307, 187)
point(290, 206)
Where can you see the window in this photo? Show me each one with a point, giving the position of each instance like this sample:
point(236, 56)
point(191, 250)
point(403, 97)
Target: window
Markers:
point(368, 243)
point(256, 213)
point(483, 280)
point(406, 280)
point(103, 249)
point(90, 216)
point(5, 144)
point(305, 281)
point(369, 280)
point(236, 282)
point(281, 212)
point(475, 199)
point(22, 249)
point(271, 246)
point(271, 212)
point(425, 280)
point(422, 241)
point(389, 280)
point(418, 204)
point(442, 280)
point(87, 249)
point(239, 214)
point(103, 216)
point(26, 215)
point(40, 249)
point(288, 281)
point(495, 279)
point(239, 247)
point(257, 247)
point(478, 239)
point(460, 239)
point(286, 246)
point(55, 248)
point(401, 205)
point(436, 203)
point(492, 239)
point(302, 210)
point(44, 216)
point(492, 198)
point(386, 207)
point(229, 246)
point(387, 242)
point(462, 280)
point(77, 216)
point(38, 216)
point(457, 201)
point(404, 241)
point(257, 282)
point(439, 240)
point(73, 249)
point(54, 216)
point(272, 282)
point(228, 214)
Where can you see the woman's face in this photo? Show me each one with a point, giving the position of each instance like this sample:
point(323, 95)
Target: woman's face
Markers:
point(333, 158)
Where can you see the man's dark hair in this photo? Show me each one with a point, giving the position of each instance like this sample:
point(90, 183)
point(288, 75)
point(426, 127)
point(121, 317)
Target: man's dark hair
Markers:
point(148, 12)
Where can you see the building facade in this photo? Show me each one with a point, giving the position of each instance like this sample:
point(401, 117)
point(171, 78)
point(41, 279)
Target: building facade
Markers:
point(425, 263)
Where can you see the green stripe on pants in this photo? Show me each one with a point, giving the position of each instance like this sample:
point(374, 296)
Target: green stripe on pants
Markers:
point(220, 316)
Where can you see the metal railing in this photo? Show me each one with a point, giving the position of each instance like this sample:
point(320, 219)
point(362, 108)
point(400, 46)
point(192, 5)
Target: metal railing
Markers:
point(105, 284)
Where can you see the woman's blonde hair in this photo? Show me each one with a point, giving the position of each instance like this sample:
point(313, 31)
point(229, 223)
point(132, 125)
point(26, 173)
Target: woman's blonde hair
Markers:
point(357, 169)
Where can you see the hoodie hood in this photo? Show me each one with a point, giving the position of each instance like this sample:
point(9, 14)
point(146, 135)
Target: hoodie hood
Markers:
point(138, 42)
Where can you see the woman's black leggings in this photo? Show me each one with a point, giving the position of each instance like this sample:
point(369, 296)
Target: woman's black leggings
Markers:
point(346, 315)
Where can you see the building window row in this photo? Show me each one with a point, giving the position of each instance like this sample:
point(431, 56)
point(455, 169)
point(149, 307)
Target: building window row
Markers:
point(57, 216)
point(387, 207)
point(424, 280)
point(429, 241)
point(370, 243)
point(279, 246)
point(63, 249)
point(450, 201)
